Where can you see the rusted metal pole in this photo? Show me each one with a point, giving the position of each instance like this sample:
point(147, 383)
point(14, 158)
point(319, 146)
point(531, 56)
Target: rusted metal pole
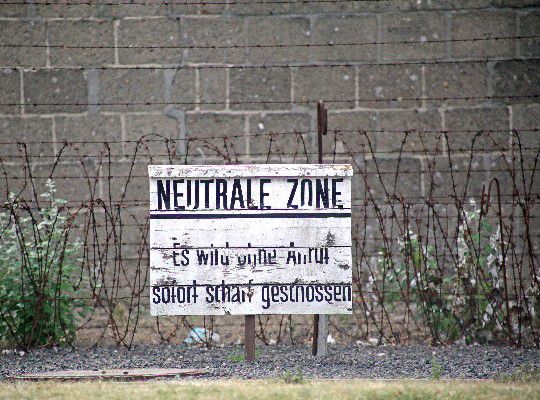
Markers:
point(249, 337)
point(322, 127)
point(320, 321)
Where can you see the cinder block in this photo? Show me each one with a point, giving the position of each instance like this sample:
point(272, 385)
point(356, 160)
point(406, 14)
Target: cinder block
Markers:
point(91, 128)
point(55, 91)
point(325, 83)
point(483, 24)
point(418, 26)
point(261, 8)
point(10, 91)
point(206, 132)
point(226, 31)
point(451, 5)
point(490, 127)
point(516, 3)
point(132, 90)
point(530, 26)
point(518, 79)
point(330, 7)
point(149, 32)
point(179, 9)
point(527, 126)
point(111, 10)
point(516, 176)
point(74, 182)
point(272, 30)
point(389, 86)
point(262, 86)
point(334, 30)
point(423, 127)
point(15, 10)
point(66, 9)
point(182, 88)
point(212, 88)
point(14, 180)
point(461, 176)
point(77, 181)
point(152, 130)
point(34, 132)
point(350, 132)
point(81, 33)
point(274, 134)
point(383, 178)
point(24, 33)
point(129, 183)
point(456, 84)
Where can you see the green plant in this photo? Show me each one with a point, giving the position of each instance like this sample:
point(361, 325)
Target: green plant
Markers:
point(296, 377)
point(478, 285)
point(239, 356)
point(458, 300)
point(415, 271)
point(38, 264)
point(436, 369)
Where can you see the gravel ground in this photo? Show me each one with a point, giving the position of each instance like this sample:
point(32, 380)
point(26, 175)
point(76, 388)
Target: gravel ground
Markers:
point(341, 362)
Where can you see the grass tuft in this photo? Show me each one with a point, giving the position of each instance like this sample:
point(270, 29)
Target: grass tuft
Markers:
point(290, 377)
point(524, 374)
point(238, 356)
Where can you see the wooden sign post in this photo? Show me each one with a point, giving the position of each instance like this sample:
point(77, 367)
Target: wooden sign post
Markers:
point(250, 239)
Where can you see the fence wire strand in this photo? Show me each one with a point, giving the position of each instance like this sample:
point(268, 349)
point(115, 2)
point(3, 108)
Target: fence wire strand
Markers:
point(390, 285)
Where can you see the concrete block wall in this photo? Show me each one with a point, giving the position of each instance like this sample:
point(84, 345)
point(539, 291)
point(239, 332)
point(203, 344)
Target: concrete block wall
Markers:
point(76, 79)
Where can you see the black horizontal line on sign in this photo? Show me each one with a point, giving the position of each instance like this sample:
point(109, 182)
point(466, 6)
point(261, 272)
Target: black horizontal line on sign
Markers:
point(257, 284)
point(256, 210)
point(245, 247)
point(261, 215)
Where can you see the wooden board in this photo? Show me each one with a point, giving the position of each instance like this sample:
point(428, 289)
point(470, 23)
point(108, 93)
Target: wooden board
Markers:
point(109, 374)
point(250, 239)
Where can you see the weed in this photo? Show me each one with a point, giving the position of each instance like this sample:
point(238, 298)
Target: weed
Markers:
point(239, 356)
point(436, 369)
point(293, 377)
point(38, 274)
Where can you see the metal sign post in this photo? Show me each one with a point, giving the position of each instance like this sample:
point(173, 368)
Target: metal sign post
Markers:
point(320, 321)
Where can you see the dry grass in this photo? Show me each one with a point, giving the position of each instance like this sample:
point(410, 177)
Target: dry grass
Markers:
point(268, 389)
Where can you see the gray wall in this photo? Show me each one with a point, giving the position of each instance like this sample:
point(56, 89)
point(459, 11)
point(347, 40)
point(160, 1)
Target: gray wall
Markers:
point(51, 94)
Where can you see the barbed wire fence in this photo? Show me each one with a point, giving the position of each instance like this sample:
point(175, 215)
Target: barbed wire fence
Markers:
point(113, 228)
point(445, 239)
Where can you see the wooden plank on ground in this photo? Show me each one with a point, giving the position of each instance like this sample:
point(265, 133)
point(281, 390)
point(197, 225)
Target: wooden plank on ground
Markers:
point(109, 374)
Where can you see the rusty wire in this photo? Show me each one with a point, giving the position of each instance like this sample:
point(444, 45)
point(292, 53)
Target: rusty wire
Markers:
point(109, 216)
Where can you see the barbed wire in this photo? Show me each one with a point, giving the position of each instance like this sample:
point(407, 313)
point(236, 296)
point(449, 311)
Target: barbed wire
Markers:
point(377, 172)
point(173, 66)
point(406, 153)
point(143, 139)
point(288, 101)
point(262, 46)
point(118, 256)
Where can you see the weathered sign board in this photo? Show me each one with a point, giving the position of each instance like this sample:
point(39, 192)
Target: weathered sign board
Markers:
point(250, 239)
